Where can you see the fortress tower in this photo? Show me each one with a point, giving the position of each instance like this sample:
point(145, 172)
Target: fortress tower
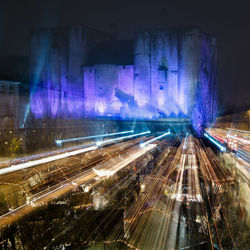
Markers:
point(80, 72)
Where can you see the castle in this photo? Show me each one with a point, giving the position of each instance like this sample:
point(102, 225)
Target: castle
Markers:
point(78, 72)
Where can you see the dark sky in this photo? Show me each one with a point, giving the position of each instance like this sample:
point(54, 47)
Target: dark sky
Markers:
point(228, 20)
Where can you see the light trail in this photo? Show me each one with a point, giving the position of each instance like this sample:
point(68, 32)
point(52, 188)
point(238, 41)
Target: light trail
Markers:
point(142, 145)
point(221, 147)
point(172, 233)
point(29, 164)
point(141, 229)
point(171, 205)
point(206, 168)
point(170, 209)
point(239, 131)
point(243, 166)
point(239, 139)
point(59, 142)
point(68, 185)
point(100, 143)
point(185, 142)
point(64, 170)
point(37, 201)
point(41, 155)
point(244, 155)
point(102, 171)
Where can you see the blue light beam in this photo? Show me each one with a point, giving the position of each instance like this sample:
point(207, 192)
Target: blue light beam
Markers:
point(142, 145)
point(100, 143)
point(219, 145)
point(60, 142)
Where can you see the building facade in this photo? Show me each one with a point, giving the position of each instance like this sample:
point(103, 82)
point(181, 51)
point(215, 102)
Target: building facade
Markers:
point(169, 67)
point(9, 105)
point(172, 75)
point(56, 59)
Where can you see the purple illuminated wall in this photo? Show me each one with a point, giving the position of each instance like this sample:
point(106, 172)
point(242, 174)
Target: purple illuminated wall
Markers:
point(173, 71)
point(108, 90)
point(56, 57)
point(205, 102)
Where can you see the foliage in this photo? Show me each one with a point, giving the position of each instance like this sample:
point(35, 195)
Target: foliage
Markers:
point(10, 144)
point(15, 146)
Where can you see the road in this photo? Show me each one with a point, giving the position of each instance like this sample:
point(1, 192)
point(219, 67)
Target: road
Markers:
point(65, 174)
point(238, 143)
point(170, 195)
point(172, 210)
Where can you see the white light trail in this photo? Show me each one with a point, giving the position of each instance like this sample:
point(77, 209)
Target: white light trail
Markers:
point(101, 172)
point(142, 145)
point(60, 142)
point(193, 198)
point(185, 142)
point(239, 139)
point(29, 164)
point(100, 143)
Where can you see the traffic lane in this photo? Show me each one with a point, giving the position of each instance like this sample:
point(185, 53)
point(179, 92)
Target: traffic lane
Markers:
point(56, 192)
point(56, 175)
point(39, 201)
point(59, 165)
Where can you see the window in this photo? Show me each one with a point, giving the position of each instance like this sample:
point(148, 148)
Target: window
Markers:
point(65, 94)
point(161, 87)
point(162, 74)
point(2, 88)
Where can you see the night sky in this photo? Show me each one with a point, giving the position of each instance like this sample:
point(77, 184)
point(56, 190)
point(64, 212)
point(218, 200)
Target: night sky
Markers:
point(229, 21)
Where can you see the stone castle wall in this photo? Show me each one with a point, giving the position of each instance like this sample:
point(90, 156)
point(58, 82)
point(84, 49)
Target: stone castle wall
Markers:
point(56, 59)
point(168, 70)
point(108, 90)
